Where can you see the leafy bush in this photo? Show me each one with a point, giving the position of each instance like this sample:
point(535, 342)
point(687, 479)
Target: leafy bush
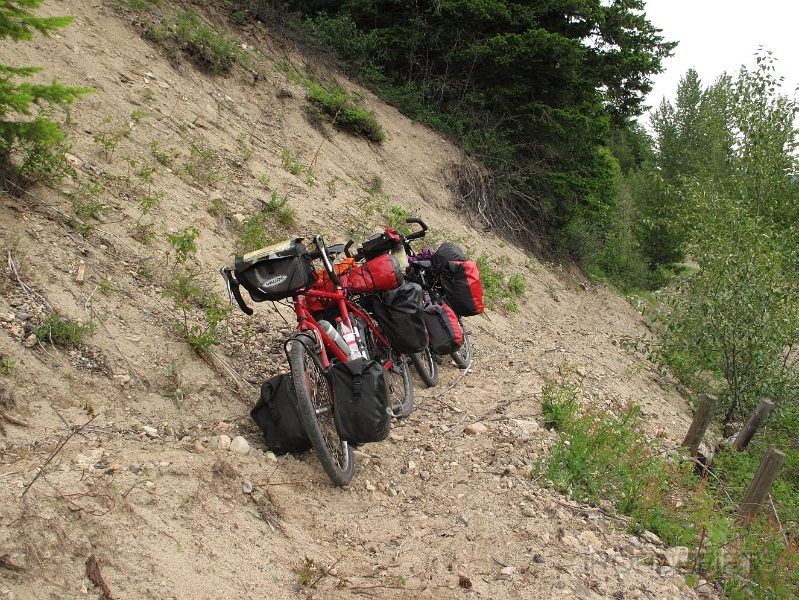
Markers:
point(345, 111)
point(189, 294)
point(606, 459)
point(62, 332)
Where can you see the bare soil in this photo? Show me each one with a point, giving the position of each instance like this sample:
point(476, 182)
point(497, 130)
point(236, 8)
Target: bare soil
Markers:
point(114, 486)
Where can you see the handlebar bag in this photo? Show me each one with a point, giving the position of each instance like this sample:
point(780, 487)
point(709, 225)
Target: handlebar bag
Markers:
point(382, 273)
point(399, 314)
point(443, 329)
point(462, 287)
point(381, 243)
point(276, 415)
point(446, 252)
point(275, 272)
point(360, 401)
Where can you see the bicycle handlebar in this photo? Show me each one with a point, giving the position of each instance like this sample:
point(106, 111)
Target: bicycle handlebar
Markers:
point(325, 256)
point(416, 234)
point(234, 291)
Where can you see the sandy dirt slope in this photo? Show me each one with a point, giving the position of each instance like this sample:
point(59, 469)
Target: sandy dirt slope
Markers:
point(99, 460)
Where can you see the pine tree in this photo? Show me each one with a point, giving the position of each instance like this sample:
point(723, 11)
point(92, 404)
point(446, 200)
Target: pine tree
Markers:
point(32, 145)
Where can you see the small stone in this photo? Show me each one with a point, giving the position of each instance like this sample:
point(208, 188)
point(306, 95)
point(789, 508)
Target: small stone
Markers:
point(239, 445)
point(270, 456)
point(246, 487)
point(527, 511)
point(475, 429)
point(464, 519)
point(589, 538)
point(676, 556)
point(651, 538)
point(425, 475)
point(134, 467)
point(224, 442)
point(31, 341)
point(198, 446)
point(570, 541)
point(150, 431)
point(508, 571)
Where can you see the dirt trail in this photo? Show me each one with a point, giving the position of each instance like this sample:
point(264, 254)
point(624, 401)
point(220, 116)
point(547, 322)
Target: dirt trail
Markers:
point(106, 461)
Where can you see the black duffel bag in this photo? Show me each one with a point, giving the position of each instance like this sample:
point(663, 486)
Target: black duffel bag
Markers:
point(276, 414)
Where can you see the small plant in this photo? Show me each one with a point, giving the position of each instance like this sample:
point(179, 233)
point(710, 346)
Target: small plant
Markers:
point(310, 572)
point(265, 181)
point(254, 231)
point(176, 387)
point(165, 157)
point(85, 202)
point(109, 139)
point(292, 161)
point(184, 242)
point(243, 147)
point(62, 332)
point(200, 165)
point(7, 365)
point(143, 232)
point(188, 294)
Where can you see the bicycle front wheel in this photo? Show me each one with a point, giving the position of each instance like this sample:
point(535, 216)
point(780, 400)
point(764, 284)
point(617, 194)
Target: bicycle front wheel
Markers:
point(426, 366)
point(315, 407)
point(463, 355)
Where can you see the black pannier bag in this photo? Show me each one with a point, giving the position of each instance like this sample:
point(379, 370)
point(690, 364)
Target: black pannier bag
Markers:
point(276, 414)
point(360, 401)
point(446, 252)
point(399, 314)
point(276, 272)
point(445, 333)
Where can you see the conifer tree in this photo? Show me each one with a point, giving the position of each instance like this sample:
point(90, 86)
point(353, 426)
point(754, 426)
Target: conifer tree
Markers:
point(32, 145)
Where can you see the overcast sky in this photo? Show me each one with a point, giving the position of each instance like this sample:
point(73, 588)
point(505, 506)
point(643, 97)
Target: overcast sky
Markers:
point(720, 35)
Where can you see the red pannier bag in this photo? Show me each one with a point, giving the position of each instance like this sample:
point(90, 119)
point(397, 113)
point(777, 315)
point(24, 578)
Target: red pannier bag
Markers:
point(380, 274)
point(461, 282)
point(443, 329)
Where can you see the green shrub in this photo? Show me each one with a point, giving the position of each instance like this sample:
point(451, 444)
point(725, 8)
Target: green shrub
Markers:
point(345, 111)
point(62, 332)
point(189, 294)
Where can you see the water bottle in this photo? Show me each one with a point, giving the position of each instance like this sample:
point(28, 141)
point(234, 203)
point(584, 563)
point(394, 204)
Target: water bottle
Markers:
point(349, 337)
point(334, 335)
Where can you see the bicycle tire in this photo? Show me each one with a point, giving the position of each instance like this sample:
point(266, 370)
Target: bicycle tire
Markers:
point(426, 366)
point(398, 376)
point(463, 355)
point(315, 407)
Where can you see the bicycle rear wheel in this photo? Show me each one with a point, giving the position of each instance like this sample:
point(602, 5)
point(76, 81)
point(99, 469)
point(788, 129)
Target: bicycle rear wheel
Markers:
point(315, 407)
point(463, 355)
point(398, 376)
point(426, 366)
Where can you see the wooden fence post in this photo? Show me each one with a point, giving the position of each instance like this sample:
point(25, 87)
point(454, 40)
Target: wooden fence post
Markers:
point(753, 424)
point(761, 484)
point(702, 418)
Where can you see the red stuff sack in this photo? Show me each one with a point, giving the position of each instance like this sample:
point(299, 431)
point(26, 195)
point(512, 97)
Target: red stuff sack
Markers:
point(461, 282)
point(380, 274)
point(325, 284)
